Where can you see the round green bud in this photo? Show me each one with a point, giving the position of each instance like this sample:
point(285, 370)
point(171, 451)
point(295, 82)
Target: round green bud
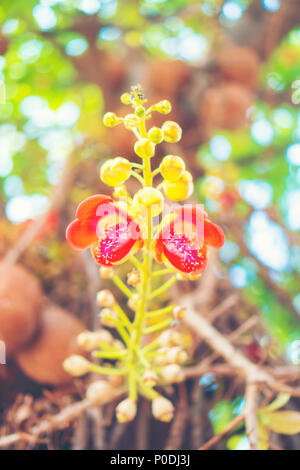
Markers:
point(155, 134)
point(140, 111)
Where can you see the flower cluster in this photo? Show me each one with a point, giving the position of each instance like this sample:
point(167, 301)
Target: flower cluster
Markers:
point(136, 229)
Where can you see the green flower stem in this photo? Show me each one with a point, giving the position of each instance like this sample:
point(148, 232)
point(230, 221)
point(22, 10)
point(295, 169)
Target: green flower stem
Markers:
point(122, 315)
point(110, 354)
point(107, 370)
point(136, 263)
point(163, 288)
point(120, 329)
point(138, 177)
point(162, 272)
point(161, 311)
point(149, 347)
point(157, 327)
point(146, 391)
point(120, 284)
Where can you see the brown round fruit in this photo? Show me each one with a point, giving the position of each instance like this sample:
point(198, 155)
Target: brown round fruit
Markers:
point(42, 360)
point(239, 63)
point(225, 107)
point(168, 77)
point(21, 301)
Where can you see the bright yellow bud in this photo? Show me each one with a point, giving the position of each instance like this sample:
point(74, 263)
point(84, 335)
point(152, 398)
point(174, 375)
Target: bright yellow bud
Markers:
point(126, 98)
point(140, 111)
point(144, 148)
point(163, 107)
point(181, 189)
point(172, 168)
point(149, 198)
point(172, 131)
point(155, 135)
point(111, 120)
point(115, 171)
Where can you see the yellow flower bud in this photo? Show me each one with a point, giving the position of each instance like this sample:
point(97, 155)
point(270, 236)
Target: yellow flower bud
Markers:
point(179, 312)
point(172, 131)
point(180, 189)
point(162, 409)
point(111, 120)
point(126, 98)
point(155, 134)
point(163, 107)
point(105, 317)
point(172, 168)
point(105, 298)
point(99, 392)
point(176, 355)
point(126, 410)
point(172, 373)
point(144, 148)
point(133, 278)
point(76, 365)
point(150, 378)
point(106, 272)
point(131, 121)
point(90, 340)
point(115, 171)
point(150, 198)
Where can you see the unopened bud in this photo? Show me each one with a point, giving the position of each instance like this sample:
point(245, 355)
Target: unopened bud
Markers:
point(172, 373)
point(144, 148)
point(76, 365)
point(150, 198)
point(106, 272)
point(131, 121)
point(105, 298)
point(140, 111)
point(115, 171)
point(90, 340)
point(155, 135)
point(163, 107)
point(172, 131)
point(115, 380)
point(120, 192)
point(126, 98)
point(169, 338)
point(176, 355)
point(180, 189)
point(150, 378)
point(126, 410)
point(172, 168)
point(179, 312)
point(105, 316)
point(99, 392)
point(133, 278)
point(162, 409)
point(111, 120)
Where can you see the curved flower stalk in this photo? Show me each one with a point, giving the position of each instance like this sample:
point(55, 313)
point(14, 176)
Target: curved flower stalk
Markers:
point(150, 352)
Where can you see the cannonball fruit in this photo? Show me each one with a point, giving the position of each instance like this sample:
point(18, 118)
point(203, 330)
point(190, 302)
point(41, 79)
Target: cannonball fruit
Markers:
point(21, 300)
point(42, 359)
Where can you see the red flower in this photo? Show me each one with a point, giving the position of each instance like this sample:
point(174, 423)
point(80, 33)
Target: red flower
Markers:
point(110, 232)
point(182, 241)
